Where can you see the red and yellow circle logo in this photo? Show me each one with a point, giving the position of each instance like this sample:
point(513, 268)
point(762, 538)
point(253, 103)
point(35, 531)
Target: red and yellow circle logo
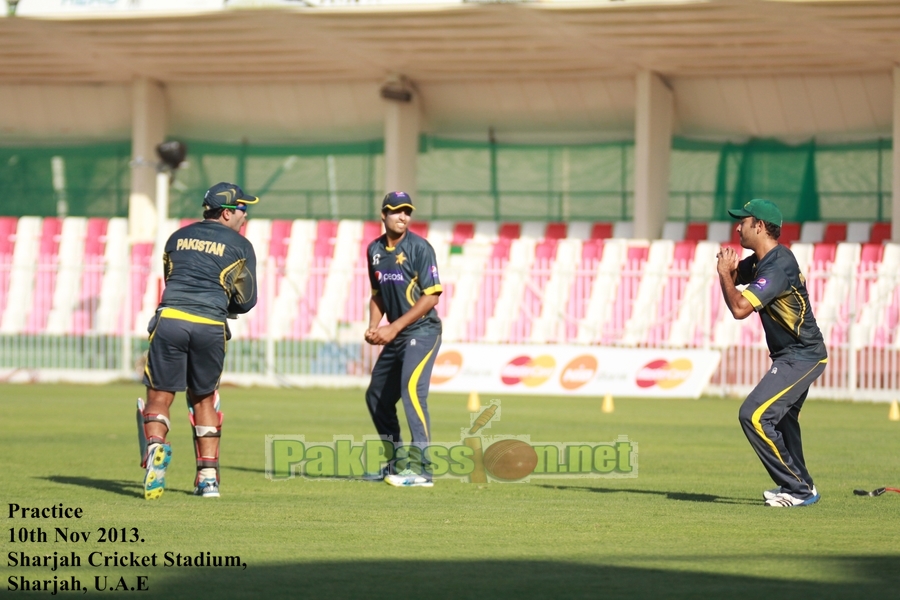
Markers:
point(528, 371)
point(665, 374)
point(578, 372)
point(446, 366)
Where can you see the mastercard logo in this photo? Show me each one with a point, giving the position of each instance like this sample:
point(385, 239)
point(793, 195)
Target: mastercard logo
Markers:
point(446, 366)
point(665, 374)
point(578, 372)
point(528, 371)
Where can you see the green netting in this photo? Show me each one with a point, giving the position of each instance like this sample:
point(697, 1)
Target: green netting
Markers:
point(90, 181)
point(319, 182)
point(468, 180)
point(516, 181)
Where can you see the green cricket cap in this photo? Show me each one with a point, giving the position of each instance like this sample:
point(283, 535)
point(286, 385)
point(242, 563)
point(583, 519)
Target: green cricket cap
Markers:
point(762, 210)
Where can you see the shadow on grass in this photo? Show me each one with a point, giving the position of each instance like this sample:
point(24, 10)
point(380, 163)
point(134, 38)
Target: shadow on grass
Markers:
point(682, 496)
point(132, 489)
point(870, 576)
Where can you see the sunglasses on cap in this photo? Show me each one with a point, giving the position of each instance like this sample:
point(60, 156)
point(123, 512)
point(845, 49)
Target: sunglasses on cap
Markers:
point(240, 207)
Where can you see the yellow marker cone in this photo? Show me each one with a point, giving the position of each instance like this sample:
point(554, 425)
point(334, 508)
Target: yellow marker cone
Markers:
point(474, 404)
point(894, 414)
point(608, 405)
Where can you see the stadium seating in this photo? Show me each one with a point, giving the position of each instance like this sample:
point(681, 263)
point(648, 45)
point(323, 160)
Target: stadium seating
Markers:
point(528, 282)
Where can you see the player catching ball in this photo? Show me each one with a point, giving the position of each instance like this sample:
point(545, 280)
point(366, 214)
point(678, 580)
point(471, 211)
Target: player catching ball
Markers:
point(776, 289)
point(210, 273)
point(405, 288)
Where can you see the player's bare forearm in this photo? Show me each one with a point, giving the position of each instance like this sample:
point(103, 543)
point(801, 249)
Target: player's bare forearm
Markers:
point(387, 333)
point(376, 312)
point(739, 306)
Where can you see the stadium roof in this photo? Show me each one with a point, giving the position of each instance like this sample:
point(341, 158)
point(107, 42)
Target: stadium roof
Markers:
point(455, 42)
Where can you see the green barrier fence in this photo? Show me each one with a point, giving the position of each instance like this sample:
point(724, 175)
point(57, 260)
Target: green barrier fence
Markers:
point(468, 180)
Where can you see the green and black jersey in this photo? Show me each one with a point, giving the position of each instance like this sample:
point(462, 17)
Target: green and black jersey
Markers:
point(210, 271)
point(777, 291)
point(401, 275)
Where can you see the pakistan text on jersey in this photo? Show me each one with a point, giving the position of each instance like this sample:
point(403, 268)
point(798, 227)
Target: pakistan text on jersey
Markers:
point(201, 245)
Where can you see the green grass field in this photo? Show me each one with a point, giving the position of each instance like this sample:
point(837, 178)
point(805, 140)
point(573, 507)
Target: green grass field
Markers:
point(692, 524)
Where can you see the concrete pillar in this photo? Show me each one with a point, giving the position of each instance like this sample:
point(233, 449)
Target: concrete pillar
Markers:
point(401, 140)
point(895, 179)
point(652, 150)
point(148, 128)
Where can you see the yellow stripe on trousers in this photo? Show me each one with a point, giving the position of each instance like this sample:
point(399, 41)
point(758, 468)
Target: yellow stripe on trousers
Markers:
point(414, 396)
point(762, 408)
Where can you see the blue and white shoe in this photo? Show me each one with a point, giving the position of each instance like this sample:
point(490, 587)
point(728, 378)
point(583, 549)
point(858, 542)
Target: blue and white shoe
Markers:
point(785, 500)
point(769, 494)
point(158, 458)
point(207, 488)
point(379, 476)
point(408, 478)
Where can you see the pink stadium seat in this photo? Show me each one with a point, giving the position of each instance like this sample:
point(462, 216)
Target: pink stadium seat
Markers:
point(880, 233)
point(556, 231)
point(871, 253)
point(326, 231)
point(185, 222)
point(140, 274)
point(790, 233)
point(696, 231)
point(672, 292)
point(591, 250)
point(45, 276)
point(500, 251)
point(824, 252)
point(591, 253)
point(626, 293)
point(7, 235)
point(684, 251)
point(357, 302)
point(419, 228)
point(835, 233)
point(280, 240)
point(532, 300)
point(638, 254)
point(546, 250)
point(462, 232)
point(371, 231)
point(509, 231)
point(601, 231)
point(8, 227)
point(92, 276)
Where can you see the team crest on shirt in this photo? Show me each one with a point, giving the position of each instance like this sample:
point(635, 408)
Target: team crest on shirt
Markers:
point(400, 258)
point(376, 258)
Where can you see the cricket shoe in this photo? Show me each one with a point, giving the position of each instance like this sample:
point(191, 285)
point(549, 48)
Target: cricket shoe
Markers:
point(158, 458)
point(785, 500)
point(379, 476)
point(408, 479)
point(207, 488)
point(769, 494)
